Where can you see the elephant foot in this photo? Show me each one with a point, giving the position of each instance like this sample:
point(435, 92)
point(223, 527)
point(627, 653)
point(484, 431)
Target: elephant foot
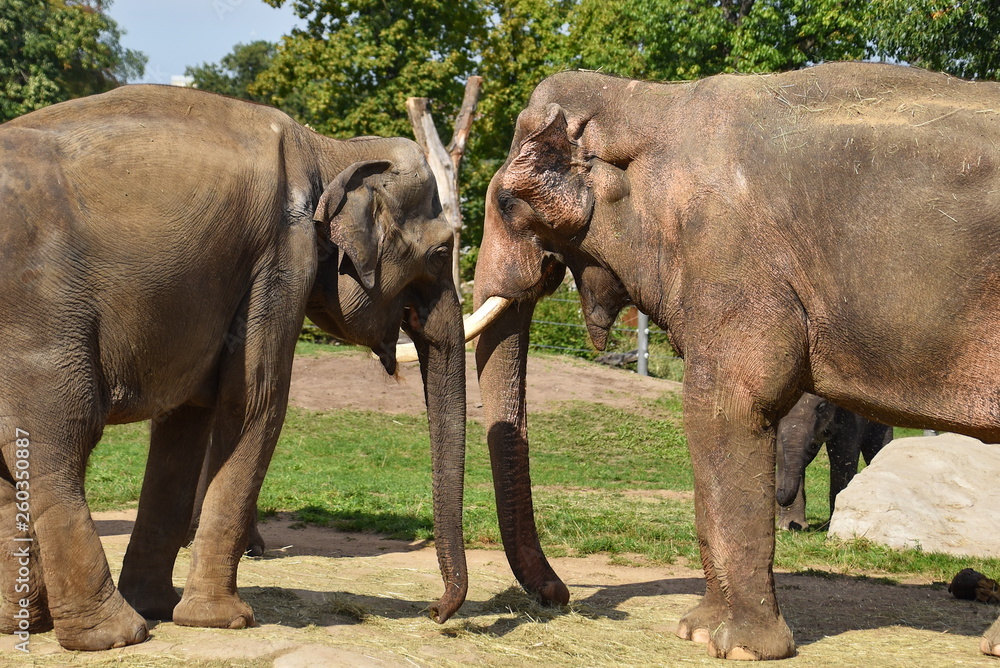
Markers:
point(755, 638)
point(228, 612)
point(699, 622)
point(150, 602)
point(791, 521)
point(990, 644)
point(758, 639)
point(115, 624)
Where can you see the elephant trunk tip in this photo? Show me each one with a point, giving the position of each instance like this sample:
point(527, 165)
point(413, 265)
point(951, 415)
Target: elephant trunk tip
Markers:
point(554, 592)
point(449, 604)
point(785, 496)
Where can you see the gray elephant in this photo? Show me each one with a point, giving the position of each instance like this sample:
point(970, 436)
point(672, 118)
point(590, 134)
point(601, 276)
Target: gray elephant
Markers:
point(834, 230)
point(813, 422)
point(160, 249)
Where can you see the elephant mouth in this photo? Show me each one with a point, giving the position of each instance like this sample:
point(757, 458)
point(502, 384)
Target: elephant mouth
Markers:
point(387, 355)
point(474, 325)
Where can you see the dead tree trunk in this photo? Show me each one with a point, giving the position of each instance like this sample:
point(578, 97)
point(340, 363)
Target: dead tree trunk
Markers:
point(445, 161)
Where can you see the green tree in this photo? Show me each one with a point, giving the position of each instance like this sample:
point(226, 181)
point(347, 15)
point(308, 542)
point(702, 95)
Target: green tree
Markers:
point(236, 72)
point(958, 37)
point(54, 50)
point(686, 39)
point(523, 43)
point(351, 69)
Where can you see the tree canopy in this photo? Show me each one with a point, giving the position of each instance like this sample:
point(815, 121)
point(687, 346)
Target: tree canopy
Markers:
point(350, 70)
point(687, 39)
point(236, 72)
point(54, 50)
point(954, 36)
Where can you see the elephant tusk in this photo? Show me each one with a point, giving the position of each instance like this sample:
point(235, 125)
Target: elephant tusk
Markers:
point(484, 316)
point(406, 352)
point(474, 324)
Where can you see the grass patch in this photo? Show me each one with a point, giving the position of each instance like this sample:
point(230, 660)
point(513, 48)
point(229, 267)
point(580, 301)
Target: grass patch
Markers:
point(320, 348)
point(116, 467)
point(606, 480)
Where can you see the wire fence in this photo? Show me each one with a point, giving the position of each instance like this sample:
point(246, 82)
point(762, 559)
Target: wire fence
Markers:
point(558, 327)
point(633, 342)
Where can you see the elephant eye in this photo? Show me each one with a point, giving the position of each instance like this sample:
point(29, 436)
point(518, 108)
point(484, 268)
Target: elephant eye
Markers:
point(506, 202)
point(437, 258)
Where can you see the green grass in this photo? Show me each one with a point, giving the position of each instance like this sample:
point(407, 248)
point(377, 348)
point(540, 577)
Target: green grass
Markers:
point(599, 475)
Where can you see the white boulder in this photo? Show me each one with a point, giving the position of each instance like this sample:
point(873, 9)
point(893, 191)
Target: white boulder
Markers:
point(938, 494)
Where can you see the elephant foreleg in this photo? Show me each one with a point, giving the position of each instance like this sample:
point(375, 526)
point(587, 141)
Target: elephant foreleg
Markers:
point(252, 399)
point(793, 516)
point(735, 386)
point(734, 462)
point(255, 542)
point(843, 450)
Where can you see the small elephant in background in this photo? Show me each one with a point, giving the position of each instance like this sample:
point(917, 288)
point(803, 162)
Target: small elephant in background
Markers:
point(810, 423)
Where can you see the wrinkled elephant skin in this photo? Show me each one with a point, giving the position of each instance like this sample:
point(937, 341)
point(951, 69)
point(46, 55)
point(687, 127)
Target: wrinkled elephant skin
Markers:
point(831, 230)
point(160, 249)
point(813, 422)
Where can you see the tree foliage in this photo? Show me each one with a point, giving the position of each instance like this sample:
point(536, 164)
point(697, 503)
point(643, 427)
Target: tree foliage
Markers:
point(686, 39)
point(236, 72)
point(522, 45)
point(351, 69)
point(54, 50)
point(956, 36)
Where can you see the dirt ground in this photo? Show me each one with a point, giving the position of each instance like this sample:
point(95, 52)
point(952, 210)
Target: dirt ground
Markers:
point(329, 598)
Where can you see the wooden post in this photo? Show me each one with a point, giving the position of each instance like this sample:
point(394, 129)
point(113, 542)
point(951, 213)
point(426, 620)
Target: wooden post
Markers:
point(445, 161)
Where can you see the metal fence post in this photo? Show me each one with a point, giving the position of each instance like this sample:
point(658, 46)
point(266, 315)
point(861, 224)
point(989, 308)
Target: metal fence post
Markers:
point(643, 327)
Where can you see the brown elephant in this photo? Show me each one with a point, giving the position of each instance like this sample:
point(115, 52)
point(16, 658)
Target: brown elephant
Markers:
point(834, 230)
point(160, 249)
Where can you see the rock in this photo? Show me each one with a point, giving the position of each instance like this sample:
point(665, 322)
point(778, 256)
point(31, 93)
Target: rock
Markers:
point(938, 494)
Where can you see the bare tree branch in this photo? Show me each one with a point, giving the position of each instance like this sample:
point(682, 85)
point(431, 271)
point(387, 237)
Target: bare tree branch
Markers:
point(445, 162)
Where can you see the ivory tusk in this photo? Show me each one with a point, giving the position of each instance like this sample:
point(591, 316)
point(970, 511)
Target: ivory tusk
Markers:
point(474, 324)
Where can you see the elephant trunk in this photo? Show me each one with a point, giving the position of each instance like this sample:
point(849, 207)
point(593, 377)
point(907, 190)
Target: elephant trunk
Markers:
point(797, 446)
point(501, 356)
point(440, 347)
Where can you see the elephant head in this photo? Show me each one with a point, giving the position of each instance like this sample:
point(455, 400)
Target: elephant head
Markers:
point(543, 207)
point(384, 251)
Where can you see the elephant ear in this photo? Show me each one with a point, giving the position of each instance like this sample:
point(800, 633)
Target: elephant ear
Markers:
point(349, 206)
point(547, 175)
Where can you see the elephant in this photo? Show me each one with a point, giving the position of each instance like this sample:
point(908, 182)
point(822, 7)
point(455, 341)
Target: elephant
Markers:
point(832, 230)
point(161, 247)
point(812, 422)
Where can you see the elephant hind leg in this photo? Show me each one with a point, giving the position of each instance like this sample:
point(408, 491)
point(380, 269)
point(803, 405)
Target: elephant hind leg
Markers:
point(87, 611)
point(20, 571)
point(177, 447)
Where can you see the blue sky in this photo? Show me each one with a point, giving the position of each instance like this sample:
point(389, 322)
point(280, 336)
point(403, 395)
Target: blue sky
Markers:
point(177, 33)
